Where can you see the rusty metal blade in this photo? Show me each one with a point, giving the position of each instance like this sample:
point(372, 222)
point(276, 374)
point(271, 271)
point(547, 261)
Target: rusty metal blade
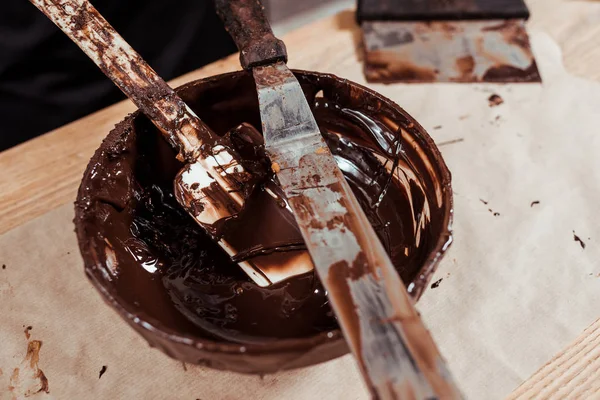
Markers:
point(394, 350)
point(448, 51)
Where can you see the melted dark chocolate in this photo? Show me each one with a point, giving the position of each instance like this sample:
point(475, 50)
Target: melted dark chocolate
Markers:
point(214, 295)
point(154, 256)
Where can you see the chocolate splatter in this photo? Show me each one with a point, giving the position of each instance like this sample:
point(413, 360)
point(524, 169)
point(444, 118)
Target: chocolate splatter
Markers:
point(436, 283)
point(26, 331)
point(495, 100)
point(437, 127)
point(536, 202)
point(578, 239)
point(496, 121)
point(102, 371)
point(450, 142)
point(494, 213)
point(3, 266)
point(28, 379)
point(463, 117)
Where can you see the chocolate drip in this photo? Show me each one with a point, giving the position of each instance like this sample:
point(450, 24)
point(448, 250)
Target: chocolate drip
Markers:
point(261, 250)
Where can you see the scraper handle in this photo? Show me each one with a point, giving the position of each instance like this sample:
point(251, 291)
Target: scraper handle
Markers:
point(246, 22)
point(84, 25)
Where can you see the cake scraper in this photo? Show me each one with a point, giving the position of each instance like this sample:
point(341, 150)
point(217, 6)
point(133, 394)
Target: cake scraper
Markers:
point(446, 41)
point(394, 350)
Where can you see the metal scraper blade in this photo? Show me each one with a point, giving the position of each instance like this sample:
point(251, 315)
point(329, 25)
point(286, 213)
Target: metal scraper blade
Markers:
point(448, 51)
point(380, 325)
point(333, 225)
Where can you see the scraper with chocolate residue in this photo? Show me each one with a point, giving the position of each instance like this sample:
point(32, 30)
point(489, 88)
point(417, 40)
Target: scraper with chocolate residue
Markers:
point(216, 182)
point(394, 350)
point(446, 41)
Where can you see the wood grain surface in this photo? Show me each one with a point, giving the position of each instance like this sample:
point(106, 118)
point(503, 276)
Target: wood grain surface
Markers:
point(44, 173)
point(572, 374)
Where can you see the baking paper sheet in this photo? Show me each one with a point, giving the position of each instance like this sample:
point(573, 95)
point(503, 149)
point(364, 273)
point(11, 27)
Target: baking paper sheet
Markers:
point(515, 287)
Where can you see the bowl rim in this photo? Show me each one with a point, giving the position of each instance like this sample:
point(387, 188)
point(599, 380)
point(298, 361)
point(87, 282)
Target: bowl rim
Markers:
point(141, 320)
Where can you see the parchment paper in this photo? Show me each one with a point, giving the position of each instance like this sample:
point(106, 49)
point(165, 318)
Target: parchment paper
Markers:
point(516, 287)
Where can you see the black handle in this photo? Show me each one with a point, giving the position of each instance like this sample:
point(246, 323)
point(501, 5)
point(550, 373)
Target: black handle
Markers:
point(247, 24)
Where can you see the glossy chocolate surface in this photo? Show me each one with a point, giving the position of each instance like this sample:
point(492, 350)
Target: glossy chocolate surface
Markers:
point(174, 285)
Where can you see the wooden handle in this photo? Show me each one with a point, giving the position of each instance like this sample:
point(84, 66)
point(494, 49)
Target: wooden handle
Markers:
point(247, 24)
point(196, 143)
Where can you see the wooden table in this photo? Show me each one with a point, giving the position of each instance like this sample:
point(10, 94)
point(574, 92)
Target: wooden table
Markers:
point(44, 173)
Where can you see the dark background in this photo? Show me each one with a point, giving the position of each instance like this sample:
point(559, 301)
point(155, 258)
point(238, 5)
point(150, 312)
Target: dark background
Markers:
point(47, 81)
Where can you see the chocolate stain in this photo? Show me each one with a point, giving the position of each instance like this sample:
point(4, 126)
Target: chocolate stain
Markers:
point(3, 266)
point(440, 144)
point(465, 66)
point(533, 203)
point(578, 239)
point(495, 100)
point(437, 127)
point(436, 283)
point(496, 121)
point(28, 379)
point(494, 213)
point(102, 371)
point(385, 66)
point(26, 331)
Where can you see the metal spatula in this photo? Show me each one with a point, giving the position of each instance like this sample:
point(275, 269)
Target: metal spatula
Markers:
point(394, 350)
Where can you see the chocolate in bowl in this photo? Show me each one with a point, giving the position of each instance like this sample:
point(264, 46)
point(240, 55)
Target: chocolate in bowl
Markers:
point(170, 281)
